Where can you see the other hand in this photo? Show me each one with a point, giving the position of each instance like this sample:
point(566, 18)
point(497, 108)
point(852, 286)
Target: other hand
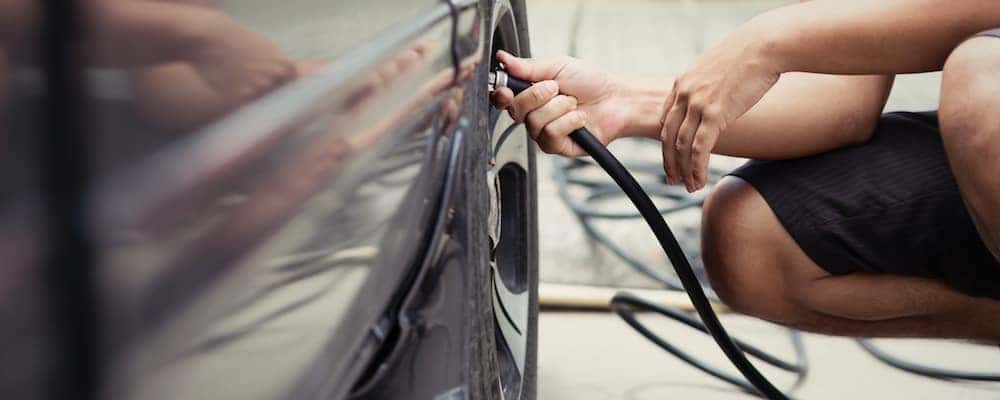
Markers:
point(726, 81)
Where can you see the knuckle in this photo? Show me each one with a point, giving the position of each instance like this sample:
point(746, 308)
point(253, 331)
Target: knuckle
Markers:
point(711, 112)
point(533, 128)
point(549, 132)
point(566, 149)
point(698, 149)
point(538, 96)
point(683, 95)
point(531, 117)
point(700, 144)
point(570, 101)
point(697, 104)
point(703, 139)
point(560, 102)
point(516, 114)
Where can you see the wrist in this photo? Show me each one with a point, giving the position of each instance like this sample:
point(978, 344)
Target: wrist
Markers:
point(642, 106)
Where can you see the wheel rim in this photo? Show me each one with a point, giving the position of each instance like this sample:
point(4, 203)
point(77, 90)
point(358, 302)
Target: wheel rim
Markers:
point(509, 188)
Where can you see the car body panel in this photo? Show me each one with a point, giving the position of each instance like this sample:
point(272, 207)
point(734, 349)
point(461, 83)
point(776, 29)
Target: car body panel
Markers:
point(272, 239)
point(317, 242)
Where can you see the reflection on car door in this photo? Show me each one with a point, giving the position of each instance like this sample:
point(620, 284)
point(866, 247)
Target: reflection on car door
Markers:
point(246, 246)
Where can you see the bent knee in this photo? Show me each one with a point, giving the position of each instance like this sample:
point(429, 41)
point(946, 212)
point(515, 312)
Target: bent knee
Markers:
point(977, 56)
point(740, 253)
point(969, 86)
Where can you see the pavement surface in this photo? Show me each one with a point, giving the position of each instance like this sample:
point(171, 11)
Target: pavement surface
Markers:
point(594, 355)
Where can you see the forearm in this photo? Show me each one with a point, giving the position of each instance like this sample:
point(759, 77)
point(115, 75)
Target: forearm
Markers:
point(134, 33)
point(802, 114)
point(806, 114)
point(868, 37)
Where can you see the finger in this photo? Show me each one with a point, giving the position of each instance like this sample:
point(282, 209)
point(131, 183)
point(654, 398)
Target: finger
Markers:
point(668, 103)
point(503, 98)
point(309, 67)
point(701, 151)
point(668, 136)
point(555, 108)
point(531, 69)
point(685, 136)
point(554, 137)
point(532, 98)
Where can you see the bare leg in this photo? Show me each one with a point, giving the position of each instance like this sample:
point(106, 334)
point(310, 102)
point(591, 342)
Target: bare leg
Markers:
point(758, 269)
point(970, 128)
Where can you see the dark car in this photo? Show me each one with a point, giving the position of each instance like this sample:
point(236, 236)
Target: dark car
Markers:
point(258, 199)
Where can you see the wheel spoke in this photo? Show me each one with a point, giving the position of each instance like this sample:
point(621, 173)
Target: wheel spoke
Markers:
point(511, 291)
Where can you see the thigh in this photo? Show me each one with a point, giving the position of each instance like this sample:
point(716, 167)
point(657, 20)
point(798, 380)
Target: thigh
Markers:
point(890, 206)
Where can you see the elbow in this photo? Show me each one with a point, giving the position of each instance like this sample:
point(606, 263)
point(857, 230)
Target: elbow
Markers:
point(864, 110)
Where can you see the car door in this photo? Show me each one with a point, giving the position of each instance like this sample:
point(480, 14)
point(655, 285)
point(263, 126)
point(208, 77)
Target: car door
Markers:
point(254, 223)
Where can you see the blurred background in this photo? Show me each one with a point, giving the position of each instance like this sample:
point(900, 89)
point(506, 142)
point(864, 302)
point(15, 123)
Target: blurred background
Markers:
point(594, 355)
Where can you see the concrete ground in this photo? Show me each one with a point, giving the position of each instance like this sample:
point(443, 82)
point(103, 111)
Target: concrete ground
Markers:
point(594, 355)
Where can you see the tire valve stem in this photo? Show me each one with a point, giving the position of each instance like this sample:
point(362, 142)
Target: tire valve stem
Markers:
point(500, 78)
point(497, 79)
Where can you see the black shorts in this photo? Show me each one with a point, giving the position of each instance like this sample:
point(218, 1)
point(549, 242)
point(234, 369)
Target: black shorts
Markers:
point(890, 206)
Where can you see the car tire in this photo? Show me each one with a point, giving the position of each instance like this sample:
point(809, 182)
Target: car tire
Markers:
point(488, 362)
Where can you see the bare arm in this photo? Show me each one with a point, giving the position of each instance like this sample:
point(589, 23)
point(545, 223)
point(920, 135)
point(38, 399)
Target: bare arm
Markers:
point(869, 37)
point(803, 114)
point(821, 36)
